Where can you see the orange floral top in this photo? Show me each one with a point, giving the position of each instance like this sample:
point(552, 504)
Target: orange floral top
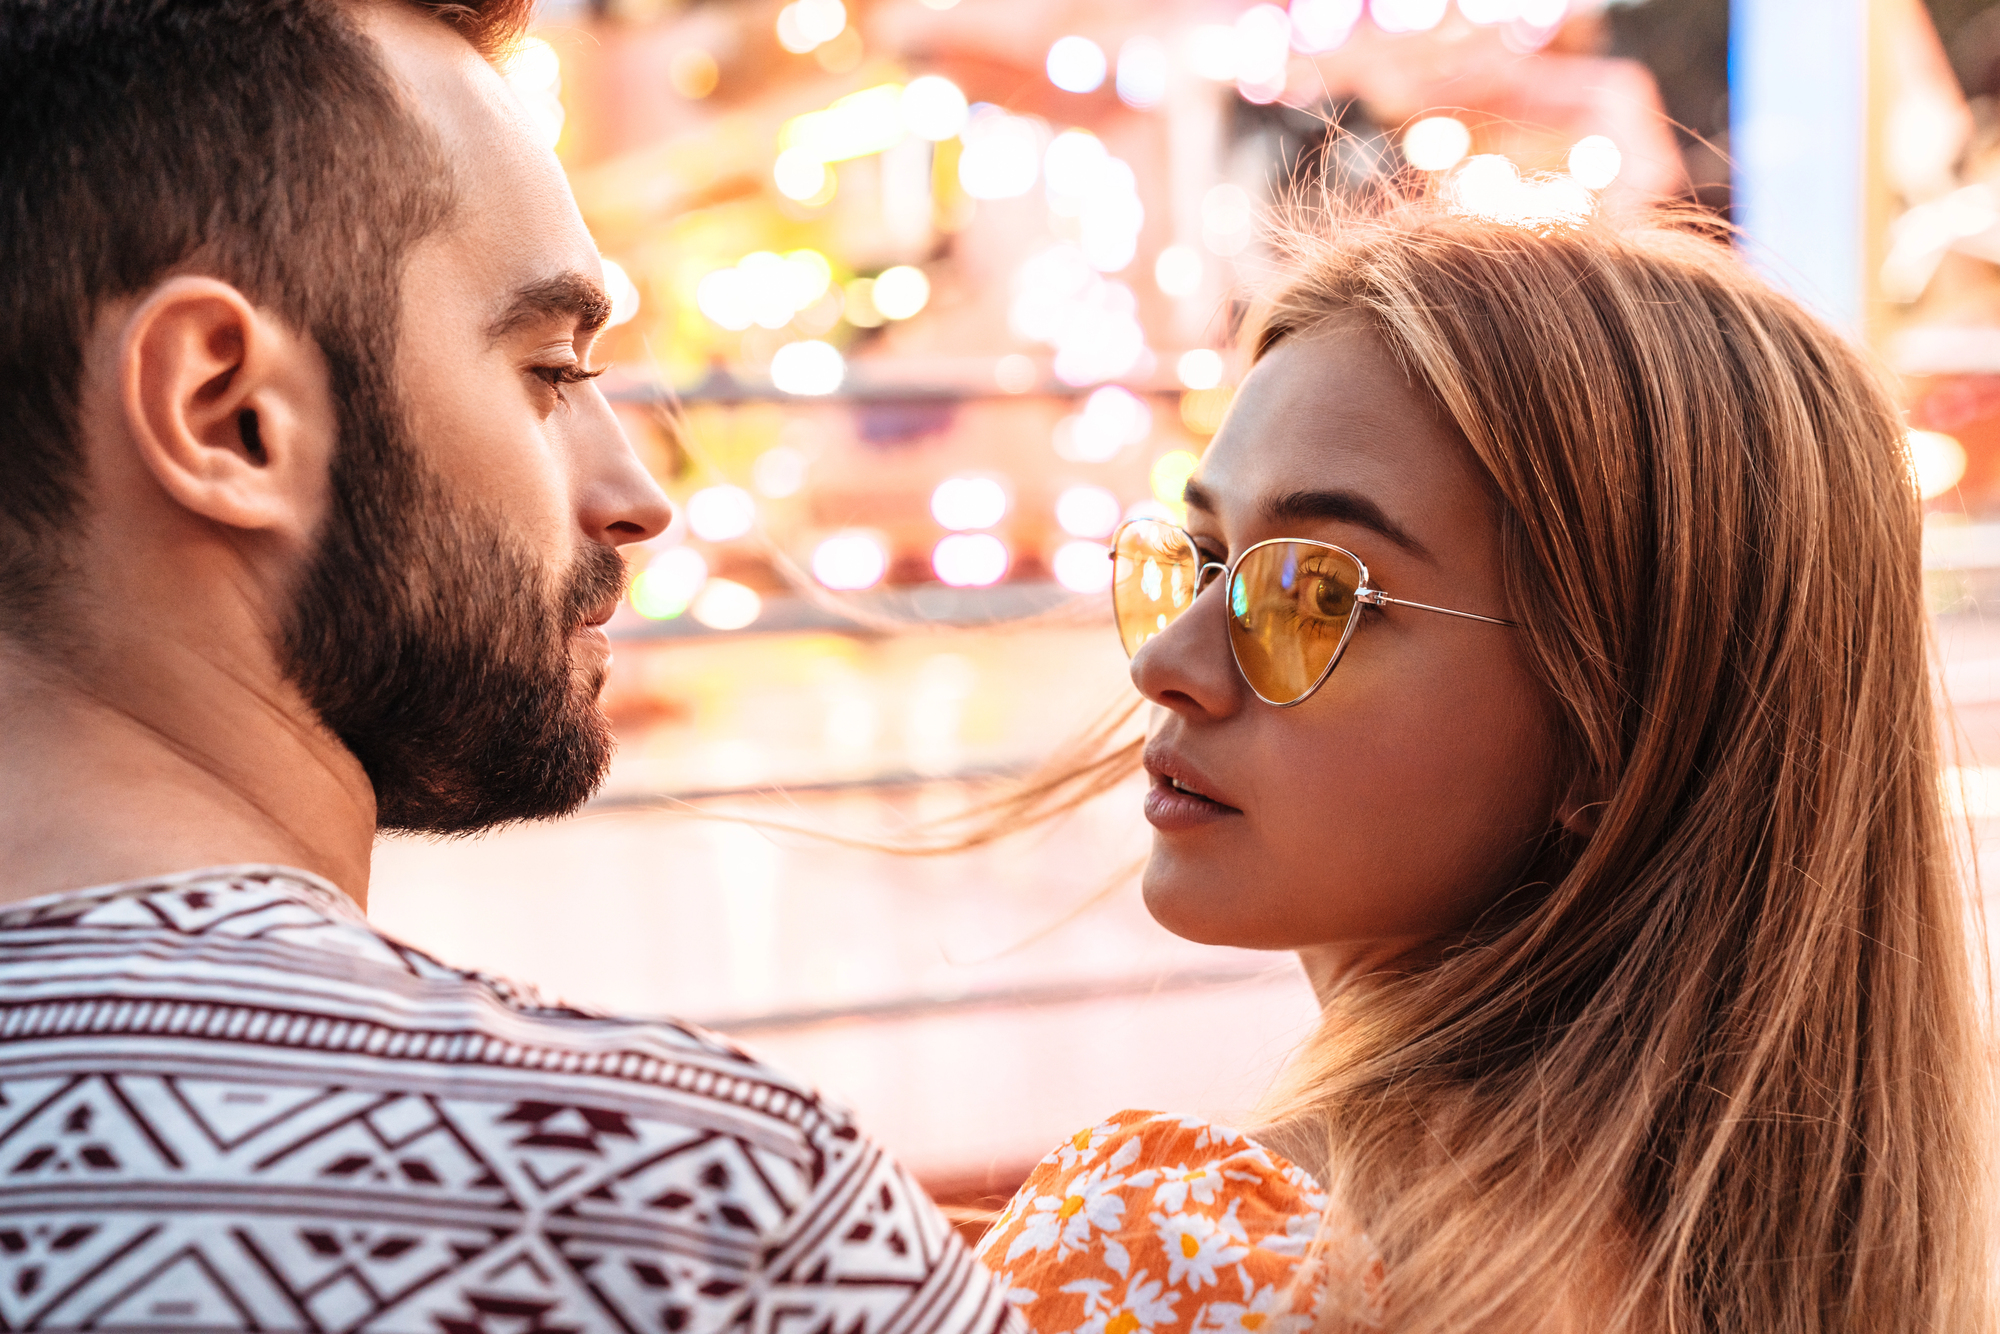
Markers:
point(1152, 1223)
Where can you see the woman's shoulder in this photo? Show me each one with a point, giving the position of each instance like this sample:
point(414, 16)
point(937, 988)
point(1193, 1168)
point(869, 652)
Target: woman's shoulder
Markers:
point(1157, 1222)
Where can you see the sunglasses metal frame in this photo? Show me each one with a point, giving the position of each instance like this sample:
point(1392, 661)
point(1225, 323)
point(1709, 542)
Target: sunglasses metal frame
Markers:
point(1364, 596)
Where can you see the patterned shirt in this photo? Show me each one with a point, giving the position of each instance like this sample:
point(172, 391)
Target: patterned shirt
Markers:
point(1150, 1223)
point(226, 1103)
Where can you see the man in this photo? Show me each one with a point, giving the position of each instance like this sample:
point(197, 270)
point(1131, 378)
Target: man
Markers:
point(309, 520)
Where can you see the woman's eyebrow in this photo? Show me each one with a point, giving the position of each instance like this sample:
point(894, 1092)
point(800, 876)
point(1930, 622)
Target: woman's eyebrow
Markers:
point(1344, 507)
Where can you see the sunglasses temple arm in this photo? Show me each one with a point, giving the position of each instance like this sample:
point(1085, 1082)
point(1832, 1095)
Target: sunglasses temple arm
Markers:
point(1376, 598)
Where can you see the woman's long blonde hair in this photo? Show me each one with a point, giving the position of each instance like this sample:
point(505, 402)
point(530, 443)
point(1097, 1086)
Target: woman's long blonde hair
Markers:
point(1721, 1067)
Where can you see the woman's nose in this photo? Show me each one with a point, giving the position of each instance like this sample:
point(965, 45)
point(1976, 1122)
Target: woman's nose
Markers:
point(1188, 667)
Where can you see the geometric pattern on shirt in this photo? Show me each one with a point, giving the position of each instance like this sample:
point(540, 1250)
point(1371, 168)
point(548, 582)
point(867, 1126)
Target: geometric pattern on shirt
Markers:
point(226, 1103)
point(1153, 1223)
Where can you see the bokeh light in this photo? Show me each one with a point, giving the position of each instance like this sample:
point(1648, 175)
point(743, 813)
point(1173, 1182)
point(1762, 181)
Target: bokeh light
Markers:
point(724, 604)
point(1082, 567)
point(1170, 474)
point(850, 561)
point(1937, 462)
point(1199, 368)
point(1087, 511)
point(1177, 270)
point(1076, 64)
point(693, 73)
point(1322, 25)
point(808, 367)
point(1436, 143)
point(1001, 158)
point(970, 560)
point(901, 292)
point(1407, 15)
point(624, 294)
point(1142, 72)
point(668, 583)
point(779, 472)
point(933, 108)
point(721, 513)
point(1595, 161)
point(969, 502)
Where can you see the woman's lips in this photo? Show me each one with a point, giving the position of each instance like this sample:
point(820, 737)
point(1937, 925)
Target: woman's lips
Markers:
point(1171, 808)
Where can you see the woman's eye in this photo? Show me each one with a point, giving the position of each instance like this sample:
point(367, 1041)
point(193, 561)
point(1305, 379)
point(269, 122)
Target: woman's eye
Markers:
point(567, 373)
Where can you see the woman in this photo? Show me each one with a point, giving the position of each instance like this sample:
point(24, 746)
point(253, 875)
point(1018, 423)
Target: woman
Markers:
point(1573, 725)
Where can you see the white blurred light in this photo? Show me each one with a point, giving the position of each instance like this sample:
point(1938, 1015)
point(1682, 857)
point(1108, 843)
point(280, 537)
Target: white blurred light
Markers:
point(779, 472)
point(1015, 374)
point(1092, 323)
point(1321, 25)
point(1488, 186)
point(724, 297)
point(1490, 11)
point(721, 513)
point(1937, 460)
point(1436, 143)
point(1407, 15)
point(933, 107)
point(820, 20)
point(900, 292)
point(724, 604)
point(969, 502)
point(769, 282)
point(849, 561)
point(1076, 64)
point(1071, 166)
point(1083, 567)
point(1087, 511)
point(791, 33)
point(807, 275)
point(1150, 508)
point(624, 294)
point(1142, 72)
point(1200, 368)
point(668, 584)
point(1209, 49)
point(1178, 270)
point(1595, 162)
point(1002, 157)
point(1109, 217)
point(970, 560)
point(798, 174)
point(808, 367)
point(1226, 213)
point(1543, 13)
point(1263, 45)
point(1112, 418)
point(534, 72)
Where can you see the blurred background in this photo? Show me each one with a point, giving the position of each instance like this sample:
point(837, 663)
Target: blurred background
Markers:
point(917, 299)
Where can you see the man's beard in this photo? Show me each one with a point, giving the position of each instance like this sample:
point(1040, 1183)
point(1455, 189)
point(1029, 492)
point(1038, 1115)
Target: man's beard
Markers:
point(438, 650)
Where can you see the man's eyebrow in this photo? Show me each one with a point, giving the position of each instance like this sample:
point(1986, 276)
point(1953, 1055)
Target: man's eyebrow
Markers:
point(569, 296)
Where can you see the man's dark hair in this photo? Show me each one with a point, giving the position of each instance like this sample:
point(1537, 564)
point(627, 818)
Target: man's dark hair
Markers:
point(260, 142)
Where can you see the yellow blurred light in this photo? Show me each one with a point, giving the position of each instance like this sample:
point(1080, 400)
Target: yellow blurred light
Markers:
point(901, 292)
point(724, 604)
point(1937, 462)
point(855, 126)
point(693, 73)
point(1202, 409)
point(1170, 475)
point(840, 54)
point(859, 306)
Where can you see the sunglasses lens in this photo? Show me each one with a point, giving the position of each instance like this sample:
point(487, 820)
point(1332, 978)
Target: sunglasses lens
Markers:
point(1152, 579)
point(1289, 607)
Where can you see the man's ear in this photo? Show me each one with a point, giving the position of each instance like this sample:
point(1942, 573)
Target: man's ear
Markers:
point(228, 409)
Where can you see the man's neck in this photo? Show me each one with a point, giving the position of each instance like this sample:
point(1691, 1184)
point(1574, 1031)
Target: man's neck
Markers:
point(168, 765)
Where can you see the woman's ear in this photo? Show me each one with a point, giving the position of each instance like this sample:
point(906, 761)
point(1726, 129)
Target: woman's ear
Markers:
point(227, 409)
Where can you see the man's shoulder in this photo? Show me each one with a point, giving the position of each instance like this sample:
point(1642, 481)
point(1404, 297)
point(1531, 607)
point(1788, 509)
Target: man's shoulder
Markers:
point(240, 1070)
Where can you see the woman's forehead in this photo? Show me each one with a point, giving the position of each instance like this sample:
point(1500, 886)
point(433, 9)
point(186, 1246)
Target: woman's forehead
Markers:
point(1330, 411)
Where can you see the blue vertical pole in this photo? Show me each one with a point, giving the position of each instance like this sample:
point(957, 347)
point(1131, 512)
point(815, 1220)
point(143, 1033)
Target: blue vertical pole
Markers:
point(1798, 100)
